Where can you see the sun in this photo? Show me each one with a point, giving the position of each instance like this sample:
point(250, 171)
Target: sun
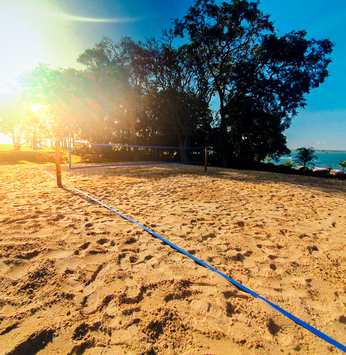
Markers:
point(37, 31)
point(29, 37)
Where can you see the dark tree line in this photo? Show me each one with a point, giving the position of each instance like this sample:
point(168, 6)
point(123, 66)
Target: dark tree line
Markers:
point(235, 85)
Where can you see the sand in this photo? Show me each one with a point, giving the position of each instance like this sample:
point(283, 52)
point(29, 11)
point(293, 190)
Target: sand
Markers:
point(75, 278)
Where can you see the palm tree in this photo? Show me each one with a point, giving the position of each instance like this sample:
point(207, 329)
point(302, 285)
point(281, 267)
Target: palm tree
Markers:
point(343, 165)
point(289, 163)
point(305, 157)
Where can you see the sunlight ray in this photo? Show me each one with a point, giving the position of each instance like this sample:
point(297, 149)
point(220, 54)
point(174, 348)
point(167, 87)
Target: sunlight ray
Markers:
point(64, 16)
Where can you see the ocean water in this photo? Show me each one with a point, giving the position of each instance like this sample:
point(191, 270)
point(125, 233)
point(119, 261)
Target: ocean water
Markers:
point(324, 160)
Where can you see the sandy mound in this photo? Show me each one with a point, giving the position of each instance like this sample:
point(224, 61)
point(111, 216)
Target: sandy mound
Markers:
point(76, 278)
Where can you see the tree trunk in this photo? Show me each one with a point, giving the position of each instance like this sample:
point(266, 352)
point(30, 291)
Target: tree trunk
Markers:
point(134, 136)
point(223, 128)
point(183, 154)
point(224, 139)
point(34, 142)
point(16, 140)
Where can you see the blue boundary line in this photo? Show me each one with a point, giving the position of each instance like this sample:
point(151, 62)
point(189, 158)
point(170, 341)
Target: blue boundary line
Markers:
point(235, 283)
point(129, 146)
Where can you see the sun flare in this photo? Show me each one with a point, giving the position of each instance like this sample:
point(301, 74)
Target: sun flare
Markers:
point(33, 36)
point(67, 17)
point(22, 47)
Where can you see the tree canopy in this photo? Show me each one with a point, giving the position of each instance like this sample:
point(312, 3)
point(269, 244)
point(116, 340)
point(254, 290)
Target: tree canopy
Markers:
point(259, 78)
point(234, 85)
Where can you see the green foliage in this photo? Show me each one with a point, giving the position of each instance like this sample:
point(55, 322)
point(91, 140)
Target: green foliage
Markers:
point(11, 121)
point(259, 78)
point(158, 101)
point(154, 93)
point(289, 163)
point(343, 165)
point(305, 157)
point(10, 156)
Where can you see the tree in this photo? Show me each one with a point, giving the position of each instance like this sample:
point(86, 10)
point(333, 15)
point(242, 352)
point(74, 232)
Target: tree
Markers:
point(255, 132)
point(156, 94)
point(305, 157)
point(251, 69)
point(89, 100)
point(114, 66)
point(343, 165)
point(74, 102)
point(289, 163)
point(178, 99)
point(49, 90)
point(12, 121)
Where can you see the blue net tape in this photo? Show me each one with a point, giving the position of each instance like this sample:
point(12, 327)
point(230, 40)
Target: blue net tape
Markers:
point(131, 146)
point(235, 283)
point(131, 164)
point(136, 146)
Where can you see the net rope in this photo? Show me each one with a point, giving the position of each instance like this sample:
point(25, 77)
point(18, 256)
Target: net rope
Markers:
point(196, 149)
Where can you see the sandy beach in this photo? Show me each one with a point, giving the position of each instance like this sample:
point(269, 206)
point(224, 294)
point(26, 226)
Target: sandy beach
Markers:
point(76, 278)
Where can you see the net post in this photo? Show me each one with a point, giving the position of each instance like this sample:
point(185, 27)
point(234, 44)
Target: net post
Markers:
point(57, 163)
point(205, 159)
point(69, 155)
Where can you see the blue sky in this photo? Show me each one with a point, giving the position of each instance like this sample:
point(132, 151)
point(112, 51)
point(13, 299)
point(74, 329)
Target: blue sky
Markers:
point(57, 31)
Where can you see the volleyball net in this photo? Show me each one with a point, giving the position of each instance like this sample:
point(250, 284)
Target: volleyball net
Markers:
point(84, 155)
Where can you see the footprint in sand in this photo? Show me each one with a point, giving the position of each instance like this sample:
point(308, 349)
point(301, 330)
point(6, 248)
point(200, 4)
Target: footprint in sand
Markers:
point(272, 266)
point(29, 255)
point(342, 319)
point(102, 241)
point(22, 222)
point(273, 327)
point(82, 247)
point(58, 217)
point(208, 236)
point(131, 240)
point(133, 259)
point(35, 340)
